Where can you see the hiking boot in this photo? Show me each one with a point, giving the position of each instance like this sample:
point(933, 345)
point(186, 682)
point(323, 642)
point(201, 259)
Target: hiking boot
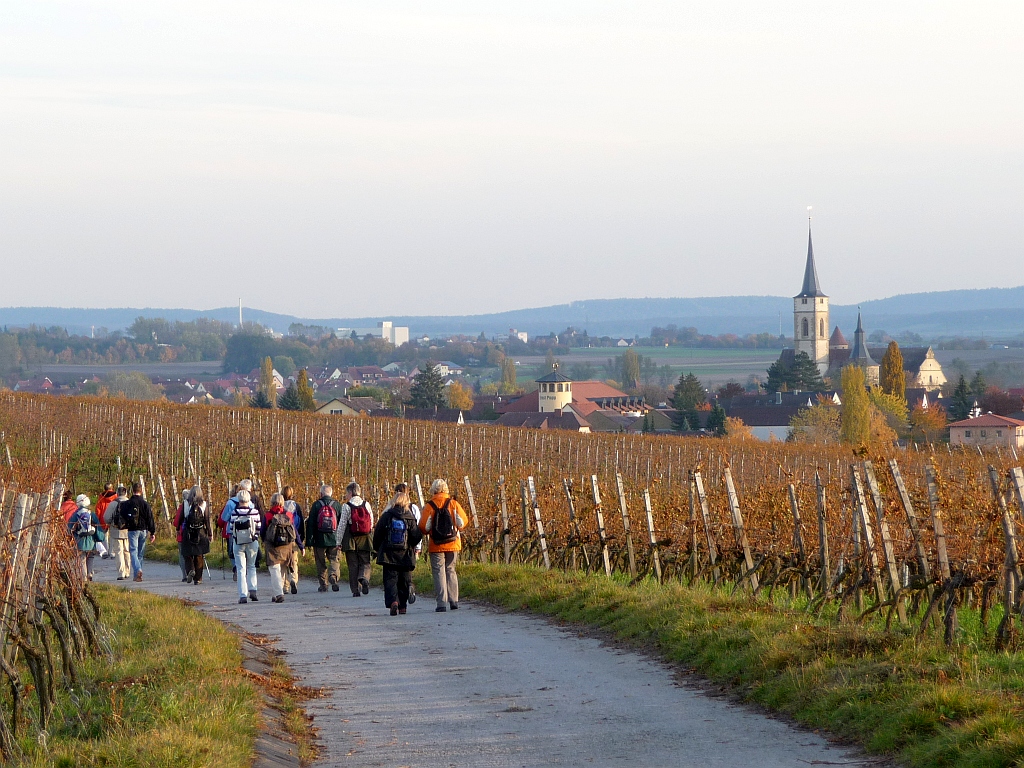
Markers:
point(234, 573)
point(321, 589)
point(121, 578)
point(454, 606)
point(197, 582)
point(184, 579)
point(334, 585)
point(401, 611)
point(394, 609)
point(440, 609)
point(365, 585)
point(295, 589)
point(277, 599)
point(191, 577)
point(252, 596)
point(138, 576)
point(242, 601)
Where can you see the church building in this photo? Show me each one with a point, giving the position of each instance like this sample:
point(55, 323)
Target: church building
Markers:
point(831, 352)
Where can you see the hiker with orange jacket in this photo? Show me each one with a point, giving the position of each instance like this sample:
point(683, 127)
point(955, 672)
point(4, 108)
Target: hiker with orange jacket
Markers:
point(441, 520)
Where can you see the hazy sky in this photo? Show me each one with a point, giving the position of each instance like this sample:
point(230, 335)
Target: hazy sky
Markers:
point(336, 158)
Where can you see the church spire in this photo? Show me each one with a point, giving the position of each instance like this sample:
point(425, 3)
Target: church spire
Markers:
point(860, 354)
point(811, 285)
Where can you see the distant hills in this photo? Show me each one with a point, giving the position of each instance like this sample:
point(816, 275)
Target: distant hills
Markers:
point(992, 312)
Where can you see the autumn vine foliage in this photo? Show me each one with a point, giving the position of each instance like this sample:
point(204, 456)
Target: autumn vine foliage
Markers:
point(795, 520)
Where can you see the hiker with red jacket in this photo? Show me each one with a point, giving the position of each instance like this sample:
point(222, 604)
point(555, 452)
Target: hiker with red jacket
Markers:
point(322, 536)
point(442, 519)
point(356, 521)
point(108, 495)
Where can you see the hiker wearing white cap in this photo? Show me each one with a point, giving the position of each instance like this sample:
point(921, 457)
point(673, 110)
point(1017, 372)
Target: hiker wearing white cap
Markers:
point(84, 526)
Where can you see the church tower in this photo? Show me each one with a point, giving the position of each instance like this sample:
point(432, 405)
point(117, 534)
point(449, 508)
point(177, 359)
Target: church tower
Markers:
point(810, 314)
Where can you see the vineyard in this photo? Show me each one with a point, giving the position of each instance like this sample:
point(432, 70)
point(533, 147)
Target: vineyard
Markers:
point(906, 535)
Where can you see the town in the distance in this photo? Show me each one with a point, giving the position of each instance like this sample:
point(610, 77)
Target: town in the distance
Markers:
point(969, 391)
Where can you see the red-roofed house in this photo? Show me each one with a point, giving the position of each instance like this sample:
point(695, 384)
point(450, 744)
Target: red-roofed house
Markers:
point(988, 431)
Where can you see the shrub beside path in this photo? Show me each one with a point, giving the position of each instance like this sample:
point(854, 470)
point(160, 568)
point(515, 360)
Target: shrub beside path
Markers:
point(478, 687)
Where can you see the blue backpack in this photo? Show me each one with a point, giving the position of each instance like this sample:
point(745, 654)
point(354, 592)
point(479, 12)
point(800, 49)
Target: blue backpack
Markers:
point(82, 528)
point(398, 534)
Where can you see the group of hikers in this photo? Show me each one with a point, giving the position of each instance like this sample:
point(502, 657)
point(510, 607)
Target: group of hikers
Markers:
point(121, 525)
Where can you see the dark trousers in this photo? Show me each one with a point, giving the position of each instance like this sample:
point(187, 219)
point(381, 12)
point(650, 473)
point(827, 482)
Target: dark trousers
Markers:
point(323, 556)
point(396, 587)
point(196, 564)
point(358, 568)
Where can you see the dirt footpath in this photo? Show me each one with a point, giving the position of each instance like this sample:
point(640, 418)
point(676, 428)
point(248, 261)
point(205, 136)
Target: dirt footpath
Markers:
point(480, 688)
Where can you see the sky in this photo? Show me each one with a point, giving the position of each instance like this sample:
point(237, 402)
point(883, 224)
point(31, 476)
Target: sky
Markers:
point(333, 159)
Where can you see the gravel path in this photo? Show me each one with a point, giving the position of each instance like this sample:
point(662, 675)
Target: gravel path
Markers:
point(481, 688)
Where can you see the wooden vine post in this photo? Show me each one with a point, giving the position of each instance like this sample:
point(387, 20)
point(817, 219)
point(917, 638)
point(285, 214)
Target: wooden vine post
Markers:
point(1011, 569)
point(869, 536)
point(472, 513)
point(602, 536)
point(419, 489)
point(524, 508)
point(574, 526)
point(738, 529)
point(655, 557)
point(505, 533)
point(625, 525)
point(949, 616)
point(924, 568)
point(702, 497)
point(822, 533)
point(883, 532)
point(540, 523)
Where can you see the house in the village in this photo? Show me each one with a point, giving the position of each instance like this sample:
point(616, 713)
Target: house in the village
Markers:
point(988, 431)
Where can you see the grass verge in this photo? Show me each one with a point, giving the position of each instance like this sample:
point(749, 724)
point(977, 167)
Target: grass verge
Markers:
point(913, 699)
point(170, 693)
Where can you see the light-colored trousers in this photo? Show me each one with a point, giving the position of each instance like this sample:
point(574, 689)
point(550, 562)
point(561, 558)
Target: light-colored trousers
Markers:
point(245, 560)
point(276, 580)
point(119, 551)
point(446, 581)
point(290, 570)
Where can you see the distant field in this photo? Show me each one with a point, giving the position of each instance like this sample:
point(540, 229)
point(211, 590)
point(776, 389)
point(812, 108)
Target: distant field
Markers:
point(712, 366)
point(166, 370)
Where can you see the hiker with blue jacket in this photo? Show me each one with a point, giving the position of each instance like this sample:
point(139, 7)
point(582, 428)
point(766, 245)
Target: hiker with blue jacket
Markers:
point(84, 527)
point(322, 536)
point(394, 540)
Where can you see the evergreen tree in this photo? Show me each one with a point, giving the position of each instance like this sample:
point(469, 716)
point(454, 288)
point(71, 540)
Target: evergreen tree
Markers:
point(267, 385)
point(855, 424)
point(428, 388)
point(260, 400)
point(716, 421)
point(290, 400)
point(961, 402)
point(688, 394)
point(804, 375)
point(778, 377)
point(891, 377)
point(305, 391)
point(979, 385)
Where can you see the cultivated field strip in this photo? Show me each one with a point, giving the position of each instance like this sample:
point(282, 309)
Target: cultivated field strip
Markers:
point(909, 534)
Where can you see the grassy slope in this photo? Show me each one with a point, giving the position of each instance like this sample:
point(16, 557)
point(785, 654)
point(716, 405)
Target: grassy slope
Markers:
point(172, 693)
point(921, 702)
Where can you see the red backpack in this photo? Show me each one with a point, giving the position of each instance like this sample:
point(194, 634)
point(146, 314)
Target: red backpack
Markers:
point(359, 521)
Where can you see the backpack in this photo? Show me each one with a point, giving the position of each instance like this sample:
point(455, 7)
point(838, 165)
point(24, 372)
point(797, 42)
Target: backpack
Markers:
point(327, 518)
point(242, 526)
point(127, 514)
point(397, 534)
point(81, 524)
point(442, 529)
point(195, 525)
point(282, 530)
point(359, 520)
